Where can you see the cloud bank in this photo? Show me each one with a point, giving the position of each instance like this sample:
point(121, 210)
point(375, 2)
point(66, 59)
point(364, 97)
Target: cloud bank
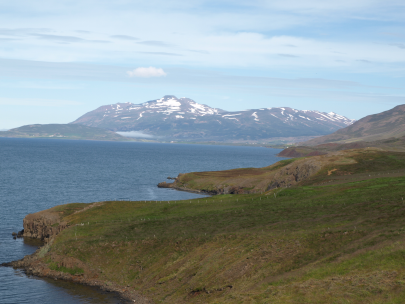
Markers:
point(147, 72)
point(135, 134)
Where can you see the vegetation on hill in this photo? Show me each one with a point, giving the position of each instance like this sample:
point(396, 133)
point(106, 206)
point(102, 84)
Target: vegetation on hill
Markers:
point(336, 237)
point(285, 173)
point(378, 127)
point(63, 131)
point(391, 144)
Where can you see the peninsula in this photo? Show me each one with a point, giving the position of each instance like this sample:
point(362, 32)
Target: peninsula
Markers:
point(319, 229)
point(63, 131)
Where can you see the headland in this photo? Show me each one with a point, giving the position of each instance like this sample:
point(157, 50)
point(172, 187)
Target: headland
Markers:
point(320, 229)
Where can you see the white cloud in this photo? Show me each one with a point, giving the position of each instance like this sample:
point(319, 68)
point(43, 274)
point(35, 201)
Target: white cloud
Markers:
point(147, 72)
point(231, 36)
point(135, 134)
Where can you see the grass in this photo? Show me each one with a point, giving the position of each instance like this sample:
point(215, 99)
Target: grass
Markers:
point(243, 241)
point(339, 242)
point(311, 170)
point(72, 271)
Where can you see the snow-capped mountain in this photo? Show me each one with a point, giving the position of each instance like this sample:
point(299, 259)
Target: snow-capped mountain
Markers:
point(185, 119)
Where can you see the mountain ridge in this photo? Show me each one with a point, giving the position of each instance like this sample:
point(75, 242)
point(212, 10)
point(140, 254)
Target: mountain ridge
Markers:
point(375, 127)
point(385, 130)
point(185, 119)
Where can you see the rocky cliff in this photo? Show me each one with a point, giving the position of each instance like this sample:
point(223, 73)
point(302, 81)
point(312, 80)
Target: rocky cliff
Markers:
point(294, 173)
point(48, 223)
point(45, 262)
point(43, 225)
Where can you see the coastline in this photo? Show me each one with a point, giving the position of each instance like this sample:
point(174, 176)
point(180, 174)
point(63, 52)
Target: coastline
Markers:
point(45, 226)
point(225, 248)
point(65, 195)
point(185, 189)
point(31, 265)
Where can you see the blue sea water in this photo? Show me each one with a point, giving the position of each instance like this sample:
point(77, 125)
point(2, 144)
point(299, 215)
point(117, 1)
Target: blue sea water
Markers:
point(37, 174)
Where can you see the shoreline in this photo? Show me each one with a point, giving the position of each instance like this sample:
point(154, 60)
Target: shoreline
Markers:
point(45, 225)
point(139, 140)
point(31, 265)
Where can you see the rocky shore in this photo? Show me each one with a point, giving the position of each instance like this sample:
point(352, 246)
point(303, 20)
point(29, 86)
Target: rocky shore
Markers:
point(46, 225)
point(185, 189)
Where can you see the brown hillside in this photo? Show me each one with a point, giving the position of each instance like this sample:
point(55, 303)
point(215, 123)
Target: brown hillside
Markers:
point(379, 126)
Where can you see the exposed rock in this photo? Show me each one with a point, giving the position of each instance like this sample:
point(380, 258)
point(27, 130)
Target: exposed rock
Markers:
point(43, 225)
point(165, 185)
point(294, 173)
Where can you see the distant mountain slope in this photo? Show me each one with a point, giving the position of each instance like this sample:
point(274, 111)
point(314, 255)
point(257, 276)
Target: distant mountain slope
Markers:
point(375, 127)
point(66, 131)
point(184, 119)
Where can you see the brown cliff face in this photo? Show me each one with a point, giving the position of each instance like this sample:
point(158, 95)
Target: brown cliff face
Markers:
point(294, 173)
point(46, 224)
point(43, 225)
point(165, 185)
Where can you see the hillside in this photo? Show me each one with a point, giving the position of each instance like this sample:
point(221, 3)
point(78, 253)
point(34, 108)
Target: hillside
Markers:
point(283, 174)
point(390, 144)
point(63, 131)
point(182, 119)
point(337, 236)
point(381, 126)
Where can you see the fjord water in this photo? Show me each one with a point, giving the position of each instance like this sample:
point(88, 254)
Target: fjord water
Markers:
point(37, 174)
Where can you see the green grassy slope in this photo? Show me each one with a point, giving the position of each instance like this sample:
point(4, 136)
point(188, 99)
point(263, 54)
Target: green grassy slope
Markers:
point(337, 238)
point(291, 172)
point(63, 131)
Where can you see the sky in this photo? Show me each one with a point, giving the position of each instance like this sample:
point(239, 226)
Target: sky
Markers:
point(62, 59)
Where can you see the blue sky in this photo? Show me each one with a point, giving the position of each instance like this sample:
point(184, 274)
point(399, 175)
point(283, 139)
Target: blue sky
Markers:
point(61, 59)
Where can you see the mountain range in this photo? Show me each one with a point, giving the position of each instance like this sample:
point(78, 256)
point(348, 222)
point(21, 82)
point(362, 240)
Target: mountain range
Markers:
point(183, 119)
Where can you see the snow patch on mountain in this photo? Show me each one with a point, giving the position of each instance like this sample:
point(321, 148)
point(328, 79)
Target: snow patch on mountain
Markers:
point(178, 117)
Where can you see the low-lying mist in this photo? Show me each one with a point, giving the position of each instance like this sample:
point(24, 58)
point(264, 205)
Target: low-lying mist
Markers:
point(135, 134)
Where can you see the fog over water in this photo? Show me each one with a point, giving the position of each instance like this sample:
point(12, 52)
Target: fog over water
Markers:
point(37, 174)
point(136, 134)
